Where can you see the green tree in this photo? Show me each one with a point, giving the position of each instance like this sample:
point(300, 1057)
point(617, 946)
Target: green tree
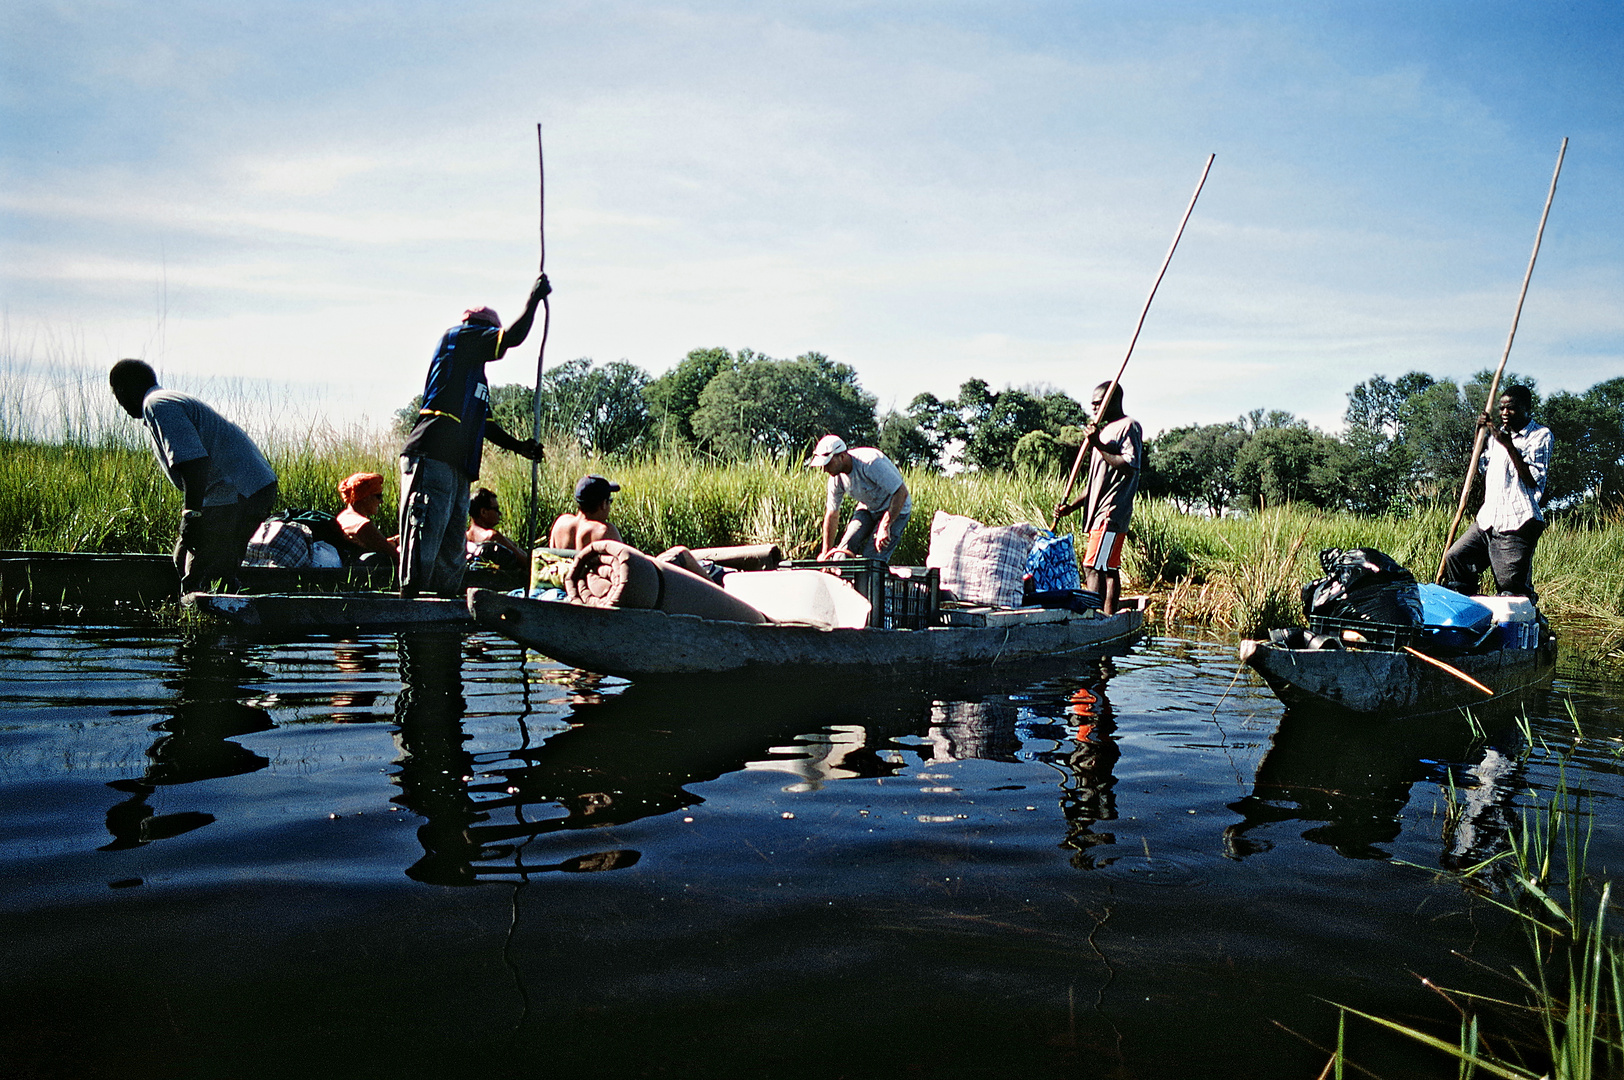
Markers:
point(673, 398)
point(1587, 453)
point(1286, 461)
point(1195, 464)
point(782, 407)
point(601, 409)
point(906, 443)
point(1038, 454)
point(1379, 461)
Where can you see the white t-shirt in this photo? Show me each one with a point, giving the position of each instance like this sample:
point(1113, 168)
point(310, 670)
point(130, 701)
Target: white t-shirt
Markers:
point(871, 483)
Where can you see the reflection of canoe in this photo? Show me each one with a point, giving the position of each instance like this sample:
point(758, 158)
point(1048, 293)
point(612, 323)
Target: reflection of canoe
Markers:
point(338, 611)
point(1370, 681)
point(635, 643)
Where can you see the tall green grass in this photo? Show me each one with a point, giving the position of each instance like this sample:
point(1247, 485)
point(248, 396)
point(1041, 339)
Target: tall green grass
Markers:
point(1568, 1025)
point(1240, 573)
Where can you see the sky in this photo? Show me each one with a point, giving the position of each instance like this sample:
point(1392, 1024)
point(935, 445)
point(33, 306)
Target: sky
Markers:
point(305, 195)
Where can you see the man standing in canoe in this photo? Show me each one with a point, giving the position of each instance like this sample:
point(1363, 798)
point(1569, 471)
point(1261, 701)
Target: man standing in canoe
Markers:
point(875, 485)
point(1113, 477)
point(227, 487)
point(441, 456)
point(1507, 527)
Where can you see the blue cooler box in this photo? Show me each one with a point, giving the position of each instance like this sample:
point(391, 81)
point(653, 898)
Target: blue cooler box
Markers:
point(1453, 620)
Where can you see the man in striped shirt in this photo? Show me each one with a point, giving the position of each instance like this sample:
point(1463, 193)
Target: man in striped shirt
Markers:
point(1508, 526)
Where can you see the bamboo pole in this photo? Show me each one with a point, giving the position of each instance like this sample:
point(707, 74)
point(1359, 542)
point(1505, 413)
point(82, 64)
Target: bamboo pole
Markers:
point(1494, 384)
point(1071, 480)
point(541, 354)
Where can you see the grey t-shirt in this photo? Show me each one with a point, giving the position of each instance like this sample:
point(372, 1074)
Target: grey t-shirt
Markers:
point(184, 429)
point(1111, 491)
point(871, 482)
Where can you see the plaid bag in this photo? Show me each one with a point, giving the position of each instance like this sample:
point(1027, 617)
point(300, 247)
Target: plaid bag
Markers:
point(279, 543)
point(980, 564)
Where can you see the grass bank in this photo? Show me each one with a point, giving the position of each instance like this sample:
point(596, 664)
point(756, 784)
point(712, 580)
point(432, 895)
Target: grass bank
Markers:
point(1240, 574)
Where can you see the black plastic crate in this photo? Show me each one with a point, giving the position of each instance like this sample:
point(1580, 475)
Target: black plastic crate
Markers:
point(1382, 635)
point(912, 597)
point(900, 598)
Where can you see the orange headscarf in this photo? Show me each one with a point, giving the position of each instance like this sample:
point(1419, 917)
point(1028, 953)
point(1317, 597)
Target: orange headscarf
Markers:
point(359, 486)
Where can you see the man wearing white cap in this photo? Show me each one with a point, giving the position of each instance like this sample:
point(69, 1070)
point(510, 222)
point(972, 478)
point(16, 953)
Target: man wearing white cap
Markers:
point(875, 485)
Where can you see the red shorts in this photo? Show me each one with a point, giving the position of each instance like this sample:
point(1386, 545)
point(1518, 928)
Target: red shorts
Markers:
point(1104, 550)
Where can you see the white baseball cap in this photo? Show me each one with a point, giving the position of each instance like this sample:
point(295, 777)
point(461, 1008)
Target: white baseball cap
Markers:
point(827, 447)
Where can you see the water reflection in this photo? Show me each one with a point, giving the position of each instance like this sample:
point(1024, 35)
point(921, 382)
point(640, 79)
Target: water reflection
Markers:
point(435, 766)
point(212, 679)
point(1355, 778)
point(643, 749)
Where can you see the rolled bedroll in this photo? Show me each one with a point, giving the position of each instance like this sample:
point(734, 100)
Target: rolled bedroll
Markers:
point(744, 556)
point(609, 574)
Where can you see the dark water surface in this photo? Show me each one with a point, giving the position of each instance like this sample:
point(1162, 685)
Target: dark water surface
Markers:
point(420, 857)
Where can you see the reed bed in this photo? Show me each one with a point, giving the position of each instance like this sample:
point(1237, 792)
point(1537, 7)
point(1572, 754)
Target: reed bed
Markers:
point(1242, 574)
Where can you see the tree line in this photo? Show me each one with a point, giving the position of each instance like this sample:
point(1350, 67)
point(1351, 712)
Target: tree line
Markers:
point(1404, 441)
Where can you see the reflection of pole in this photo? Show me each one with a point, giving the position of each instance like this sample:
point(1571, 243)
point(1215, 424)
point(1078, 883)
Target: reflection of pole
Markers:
point(433, 762)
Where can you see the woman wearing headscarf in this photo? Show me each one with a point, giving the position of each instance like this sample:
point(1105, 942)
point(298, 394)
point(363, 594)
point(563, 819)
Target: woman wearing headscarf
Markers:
point(363, 494)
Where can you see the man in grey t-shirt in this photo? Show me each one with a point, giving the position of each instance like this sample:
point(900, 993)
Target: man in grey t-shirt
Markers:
point(227, 487)
point(875, 485)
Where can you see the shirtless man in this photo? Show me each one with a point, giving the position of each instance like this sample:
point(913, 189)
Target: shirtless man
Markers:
point(590, 523)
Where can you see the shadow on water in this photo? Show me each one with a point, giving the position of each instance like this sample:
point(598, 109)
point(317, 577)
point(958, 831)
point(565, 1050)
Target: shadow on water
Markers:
point(212, 677)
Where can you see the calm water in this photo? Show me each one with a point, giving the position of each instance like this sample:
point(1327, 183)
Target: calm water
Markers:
point(422, 857)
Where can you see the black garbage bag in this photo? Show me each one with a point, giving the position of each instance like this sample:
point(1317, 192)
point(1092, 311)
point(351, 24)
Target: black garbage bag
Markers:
point(1365, 585)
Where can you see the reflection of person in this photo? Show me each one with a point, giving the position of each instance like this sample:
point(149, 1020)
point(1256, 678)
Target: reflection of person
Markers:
point(441, 455)
point(875, 485)
point(1117, 443)
point(1508, 525)
point(590, 522)
point(227, 487)
point(363, 494)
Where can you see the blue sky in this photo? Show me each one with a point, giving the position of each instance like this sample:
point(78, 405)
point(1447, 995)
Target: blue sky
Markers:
point(926, 191)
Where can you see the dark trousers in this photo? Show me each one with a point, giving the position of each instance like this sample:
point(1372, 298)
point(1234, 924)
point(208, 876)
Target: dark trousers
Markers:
point(1509, 554)
point(210, 550)
point(433, 527)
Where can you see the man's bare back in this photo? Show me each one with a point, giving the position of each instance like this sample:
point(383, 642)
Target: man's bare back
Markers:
point(576, 531)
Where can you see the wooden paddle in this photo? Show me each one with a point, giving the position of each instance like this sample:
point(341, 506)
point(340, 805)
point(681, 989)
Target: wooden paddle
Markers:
point(1494, 384)
point(541, 354)
point(1071, 480)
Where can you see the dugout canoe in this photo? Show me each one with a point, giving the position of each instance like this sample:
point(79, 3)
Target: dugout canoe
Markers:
point(1370, 682)
point(44, 585)
point(363, 612)
point(636, 643)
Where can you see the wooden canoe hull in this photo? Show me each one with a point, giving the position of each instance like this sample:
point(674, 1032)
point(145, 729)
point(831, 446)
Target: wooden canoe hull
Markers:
point(40, 584)
point(1369, 682)
point(633, 643)
point(340, 611)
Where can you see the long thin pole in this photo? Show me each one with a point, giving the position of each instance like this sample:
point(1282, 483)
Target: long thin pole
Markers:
point(541, 354)
point(1494, 384)
point(1071, 480)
